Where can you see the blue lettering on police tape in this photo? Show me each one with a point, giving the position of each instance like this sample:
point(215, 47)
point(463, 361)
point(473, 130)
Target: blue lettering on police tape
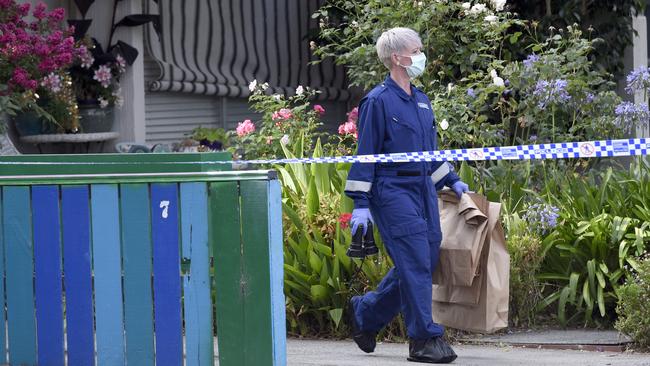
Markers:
point(621, 147)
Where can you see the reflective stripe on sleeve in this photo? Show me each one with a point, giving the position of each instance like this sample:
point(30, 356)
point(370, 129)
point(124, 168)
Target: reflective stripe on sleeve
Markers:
point(357, 186)
point(440, 173)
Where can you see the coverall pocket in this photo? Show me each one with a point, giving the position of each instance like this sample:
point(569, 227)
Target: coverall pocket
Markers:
point(404, 124)
point(411, 228)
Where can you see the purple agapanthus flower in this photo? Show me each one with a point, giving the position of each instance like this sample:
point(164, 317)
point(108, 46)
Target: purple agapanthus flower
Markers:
point(638, 79)
point(629, 115)
point(541, 216)
point(589, 98)
point(530, 60)
point(471, 93)
point(549, 92)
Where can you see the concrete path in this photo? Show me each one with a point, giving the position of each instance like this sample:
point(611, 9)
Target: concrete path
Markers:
point(345, 353)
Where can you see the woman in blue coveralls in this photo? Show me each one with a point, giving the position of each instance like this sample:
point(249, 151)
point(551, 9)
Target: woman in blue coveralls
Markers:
point(396, 117)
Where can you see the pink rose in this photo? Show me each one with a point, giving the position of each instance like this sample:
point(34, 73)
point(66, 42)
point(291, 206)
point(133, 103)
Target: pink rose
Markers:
point(282, 114)
point(245, 128)
point(353, 115)
point(319, 109)
point(348, 128)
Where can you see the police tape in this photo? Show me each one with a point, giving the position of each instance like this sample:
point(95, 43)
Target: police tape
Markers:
point(561, 150)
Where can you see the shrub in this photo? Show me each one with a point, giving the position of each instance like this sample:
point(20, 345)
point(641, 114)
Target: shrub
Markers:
point(526, 255)
point(634, 305)
point(603, 229)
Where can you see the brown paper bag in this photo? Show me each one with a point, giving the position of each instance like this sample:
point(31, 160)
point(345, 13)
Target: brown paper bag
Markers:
point(483, 305)
point(464, 227)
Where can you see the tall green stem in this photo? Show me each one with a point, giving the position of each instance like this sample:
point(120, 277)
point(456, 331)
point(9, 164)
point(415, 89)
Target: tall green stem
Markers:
point(553, 130)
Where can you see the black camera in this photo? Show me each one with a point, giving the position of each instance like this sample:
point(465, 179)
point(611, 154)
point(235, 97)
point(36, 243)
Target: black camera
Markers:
point(362, 245)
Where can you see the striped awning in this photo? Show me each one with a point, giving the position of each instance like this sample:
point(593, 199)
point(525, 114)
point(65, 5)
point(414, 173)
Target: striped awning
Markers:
point(219, 47)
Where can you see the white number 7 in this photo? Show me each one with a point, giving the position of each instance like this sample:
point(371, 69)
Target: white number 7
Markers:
point(165, 206)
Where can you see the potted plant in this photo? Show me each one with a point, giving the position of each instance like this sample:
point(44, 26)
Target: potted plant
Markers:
point(97, 70)
point(35, 50)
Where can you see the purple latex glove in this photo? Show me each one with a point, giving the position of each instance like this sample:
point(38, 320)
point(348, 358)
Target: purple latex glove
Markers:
point(459, 188)
point(361, 216)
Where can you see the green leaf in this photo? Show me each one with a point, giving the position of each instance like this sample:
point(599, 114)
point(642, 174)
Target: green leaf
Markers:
point(548, 301)
point(286, 178)
point(466, 175)
point(323, 249)
point(324, 274)
point(320, 171)
point(639, 241)
point(293, 216)
point(591, 270)
point(295, 286)
point(339, 250)
point(313, 203)
point(561, 308)
point(603, 268)
point(601, 302)
point(315, 262)
point(573, 286)
point(336, 315)
point(601, 279)
point(586, 295)
point(297, 274)
point(318, 293)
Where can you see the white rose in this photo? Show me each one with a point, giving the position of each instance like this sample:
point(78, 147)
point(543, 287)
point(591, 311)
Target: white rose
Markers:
point(284, 140)
point(493, 73)
point(444, 124)
point(467, 6)
point(450, 86)
point(277, 97)
point(478, 9)
point(498, 81)
point(252, 85)
point(299, 90)
point(498, 4)
point(264, 86)
point(491, 18)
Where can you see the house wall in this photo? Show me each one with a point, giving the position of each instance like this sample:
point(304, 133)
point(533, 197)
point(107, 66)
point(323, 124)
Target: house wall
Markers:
point(164, 117)
point(171, 116)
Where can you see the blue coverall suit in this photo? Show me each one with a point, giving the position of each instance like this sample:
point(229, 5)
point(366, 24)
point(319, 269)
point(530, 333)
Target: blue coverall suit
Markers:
point(403, 202)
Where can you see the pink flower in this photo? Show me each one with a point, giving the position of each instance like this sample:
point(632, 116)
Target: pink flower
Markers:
point(85, 56)
point(348, 128)
point(23, 9)
point(103, 75)
point(282, 114)
point(39, 11)
point(57, 15)
point(121, 63)
point(245, 128)
point(269, 140)
point(353, 115)
point(319, 109)
point(52, 82)
point(22, 78)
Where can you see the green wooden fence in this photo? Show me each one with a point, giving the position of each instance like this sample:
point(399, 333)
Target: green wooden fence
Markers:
point(139, 260)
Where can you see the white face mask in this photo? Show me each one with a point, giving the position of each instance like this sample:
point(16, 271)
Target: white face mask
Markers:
point(416, 68)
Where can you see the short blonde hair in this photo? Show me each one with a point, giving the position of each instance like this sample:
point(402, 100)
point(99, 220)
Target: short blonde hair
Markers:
point(395, 40)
